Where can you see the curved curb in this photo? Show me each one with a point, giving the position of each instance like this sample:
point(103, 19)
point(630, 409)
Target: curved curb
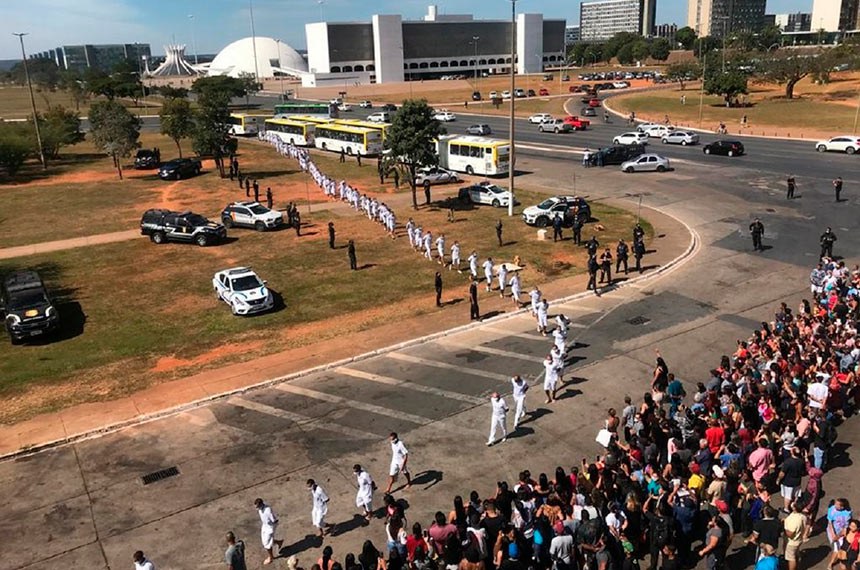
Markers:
point(676, 263)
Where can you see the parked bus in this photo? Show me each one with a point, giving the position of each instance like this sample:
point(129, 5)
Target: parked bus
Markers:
point(293, 132)
point(381, 127)
point(315, 119)
point(326, 110)
point(474, 155)
point(352, 140)
point(242, 124)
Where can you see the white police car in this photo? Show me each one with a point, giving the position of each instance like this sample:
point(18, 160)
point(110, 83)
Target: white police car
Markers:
point(251, 215)
point(243, 290)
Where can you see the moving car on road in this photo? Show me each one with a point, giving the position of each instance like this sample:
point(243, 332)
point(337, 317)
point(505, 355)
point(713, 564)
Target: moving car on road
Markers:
point(445, 116)
point(632, 137)
point(577, 123)
point(485, 193)
point(365, 104)
point(165, 225)
point(544, 92)
point(27, 309)
point(727, 148)
point(657, 131)
point(480, 130)
point(542, 214)
point(379, 117)
point(243, 290)
point(179, 168)
point(646, 163)
point(846, 144)
point(682, 138)
point(251, 215)
point(428, 175)
point(616, 154)
point(539, 118)
point(588, 112)
point(554, 126)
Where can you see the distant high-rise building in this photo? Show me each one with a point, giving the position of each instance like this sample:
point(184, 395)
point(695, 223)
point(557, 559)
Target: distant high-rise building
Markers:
point(719, 17)
point(798, 22)
point(571, 35)
point(667, 31)
point(835, 15)
point(602, 19)
point(103, 57)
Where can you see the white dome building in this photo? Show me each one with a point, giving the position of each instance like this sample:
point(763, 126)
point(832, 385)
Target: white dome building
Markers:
point(272, 56)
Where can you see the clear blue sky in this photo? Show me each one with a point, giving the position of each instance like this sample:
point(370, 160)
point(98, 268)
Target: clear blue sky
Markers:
point(218, 22)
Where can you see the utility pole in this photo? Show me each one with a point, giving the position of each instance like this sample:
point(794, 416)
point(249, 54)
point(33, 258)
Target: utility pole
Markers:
point(32, 101)
point(193, 38)
point(475, 41)
point(254, 41)
point(511, 125)
point(702, 90)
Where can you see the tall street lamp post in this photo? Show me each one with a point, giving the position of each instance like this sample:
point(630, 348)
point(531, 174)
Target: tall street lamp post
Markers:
point(32, 100)
point(511, 125)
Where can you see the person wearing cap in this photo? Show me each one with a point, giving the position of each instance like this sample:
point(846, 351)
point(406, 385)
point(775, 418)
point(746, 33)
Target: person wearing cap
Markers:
point(498, 418)
point(716, 491)
point(696, 483)
point(268, 526)
point(364, 496)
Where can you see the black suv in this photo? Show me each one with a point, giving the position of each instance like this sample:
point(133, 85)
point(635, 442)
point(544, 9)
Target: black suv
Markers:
point(179, 168)
point(617, 154)
point(165, 225)
point(27, 307)
point(728, 148)
point(145, 158)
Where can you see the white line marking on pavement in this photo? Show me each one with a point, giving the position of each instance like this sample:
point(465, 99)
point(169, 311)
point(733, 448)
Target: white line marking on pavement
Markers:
point(353, 404)
point(410, 385)
point(490, 350)
point(525, 335)
point(457, 367)
point(302, 421)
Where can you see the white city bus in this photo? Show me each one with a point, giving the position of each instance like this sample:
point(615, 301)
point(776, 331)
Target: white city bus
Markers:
point(297, 133)
point(474, 155)
point(381, 127)
point(242, 124)
point(352, 140)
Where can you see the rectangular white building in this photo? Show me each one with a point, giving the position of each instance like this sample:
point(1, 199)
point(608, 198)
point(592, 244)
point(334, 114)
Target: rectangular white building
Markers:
point(835, 15)
point(600, 20)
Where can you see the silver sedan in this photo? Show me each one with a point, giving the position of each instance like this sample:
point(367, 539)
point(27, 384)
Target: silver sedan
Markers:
point(645, 163)
point(680, 137)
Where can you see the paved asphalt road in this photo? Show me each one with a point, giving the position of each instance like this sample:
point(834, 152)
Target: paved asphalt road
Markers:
point(84, 505)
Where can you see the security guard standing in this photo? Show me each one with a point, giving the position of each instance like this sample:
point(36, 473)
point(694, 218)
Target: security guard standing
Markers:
point(791, 186)
point(437, 284)
point(474, 314)
point(350, 251)
point(622, 252)
point(593, 267)
point(297, 222)
point(827, 240)
point(837, 187)
point(638, 234)
point(591, 246)
point(499, 231)
point(757, 230)
point(269, 198)
point(638, 254)
point(606, 266)
point(331, 235)
point(247, 187)
point(556, 228)
point(256, 191)
point(577, 227)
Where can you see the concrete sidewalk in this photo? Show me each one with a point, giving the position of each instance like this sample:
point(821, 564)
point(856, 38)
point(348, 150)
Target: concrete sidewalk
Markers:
point(71, 243)
point(92, 419)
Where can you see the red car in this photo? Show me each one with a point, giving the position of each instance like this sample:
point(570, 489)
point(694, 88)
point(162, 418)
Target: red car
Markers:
point(573, 89)
point(576, 123)
point(544, 92)
point(594, 102)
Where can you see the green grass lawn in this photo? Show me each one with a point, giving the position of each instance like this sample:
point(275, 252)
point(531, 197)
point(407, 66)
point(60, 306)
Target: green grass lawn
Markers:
point(15, 102)
point(796, 115)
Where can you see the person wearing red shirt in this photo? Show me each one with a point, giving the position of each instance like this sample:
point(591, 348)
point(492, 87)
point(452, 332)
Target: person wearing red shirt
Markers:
point(716, 437)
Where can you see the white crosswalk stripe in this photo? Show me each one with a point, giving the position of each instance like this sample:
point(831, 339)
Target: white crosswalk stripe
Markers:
point(303, 421)
point(490, 350)
point(410, 385)
point(316, 395)
point(438, 364)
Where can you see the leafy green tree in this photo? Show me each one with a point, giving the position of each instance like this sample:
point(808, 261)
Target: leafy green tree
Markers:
point(44, 73)
point(787, 69)
point(59, 127)
point(617, 42)
point(683, 71)
point(768, 37)
point(706, 45)
point(594, 53)
point(114, 130)
point(233, 87)
point(249, 83)
point(411, 139)
point(660, 49)
point(177, 121)
point(15, 146)
point(576, 53)
point(686, 36)
point(73, 84)
point(728, 84)
point(641, 50)
point(625, 54)
point(171, 92)
point(211, 134)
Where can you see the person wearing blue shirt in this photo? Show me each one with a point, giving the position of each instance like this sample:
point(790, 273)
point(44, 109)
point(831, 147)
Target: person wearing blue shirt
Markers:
point(769, 560)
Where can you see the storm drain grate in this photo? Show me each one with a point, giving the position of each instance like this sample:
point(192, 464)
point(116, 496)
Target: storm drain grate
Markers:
point(640, 320)
point(159, 475)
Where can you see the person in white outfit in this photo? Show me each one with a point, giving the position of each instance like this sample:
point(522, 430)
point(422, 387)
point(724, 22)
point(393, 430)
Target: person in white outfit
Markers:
point(268, 526)
point(320, 507)
point(550, 378)
point(520, 387)
point(428, 245)
point(558, 360)
point(488, 273)
point(542, 310)
point(364, 496)
point(516, 289)
point(562, 323)
point(559, 337)
point(503, 279)
point(455, 257)
point(497, 422)
point(440, 248)
point(534, 297)
point(473, 264)
point(399, 458)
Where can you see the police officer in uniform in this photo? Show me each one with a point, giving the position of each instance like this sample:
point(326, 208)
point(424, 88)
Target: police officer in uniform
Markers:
point(331, 235)
point(256, 191)
point(791, 186)
point(474, 314)
point(556, 228)
point(638, 253)
point(638, 234)
point(606, 266)
point(757, 230)
point(499, 232)
point(827, 239)
point(350, 251)
point(622, 252)
point(247, 187)
point(593, 267)
point(437, 284)
point(837, 187)
point(577, 227)
point(591, 246)
point(297, 221)
point(269, 198)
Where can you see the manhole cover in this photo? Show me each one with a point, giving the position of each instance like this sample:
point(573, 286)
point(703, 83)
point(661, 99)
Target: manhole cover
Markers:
point(770, 210)
point(640, 320)
point(159, 475)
